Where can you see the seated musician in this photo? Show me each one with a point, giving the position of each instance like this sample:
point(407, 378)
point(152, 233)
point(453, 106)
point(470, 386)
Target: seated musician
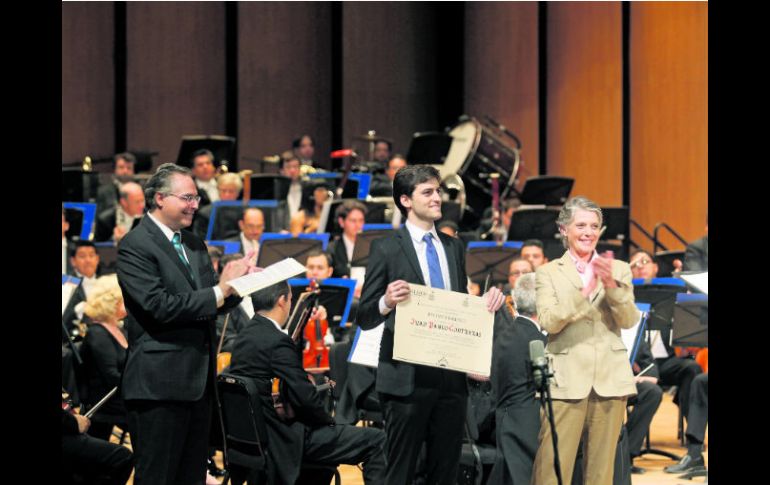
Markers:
point(674, 370)
point(115, 222)
point(85, 263)
point(290, 167)
point(351, 216)
point(252, 225)
point(697, 420)
point(382, 183)
point(262, 351)
point(229, 186)
point(306, 220)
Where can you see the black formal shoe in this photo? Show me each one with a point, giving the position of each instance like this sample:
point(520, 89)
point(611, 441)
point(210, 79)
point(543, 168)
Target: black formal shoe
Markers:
point(687, 463)
point(214, 470)
point(637, 470)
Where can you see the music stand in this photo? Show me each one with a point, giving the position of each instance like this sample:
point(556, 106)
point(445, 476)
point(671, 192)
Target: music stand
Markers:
point(538, 224)
point(269, 187)
point(356, 187)
point(336, 296)
point(223, 148)
point(690, 326)
point(546, 190)
point(665, 261)
point(225, 214)
point(659, 296)
point(486, 258)
point(228, 247)
point(78, 185)
point(108, 257)
point(363, 244)
point(428, 147)
point(82, 220)
point(275, 247)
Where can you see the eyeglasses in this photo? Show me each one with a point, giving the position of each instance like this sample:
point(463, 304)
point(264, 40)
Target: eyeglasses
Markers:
point(640, 263)
point(518, 273)
point(188, 198)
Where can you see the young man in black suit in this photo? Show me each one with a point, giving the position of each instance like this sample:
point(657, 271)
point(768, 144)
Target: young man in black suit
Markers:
point(420, 403)
point(262, 351)
point(351, 216)
point(173, 293)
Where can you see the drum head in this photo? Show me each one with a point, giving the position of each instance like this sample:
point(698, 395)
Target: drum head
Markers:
point(465, 140)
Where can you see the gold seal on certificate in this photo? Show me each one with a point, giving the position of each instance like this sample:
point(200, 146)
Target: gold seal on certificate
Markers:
point(446, 329)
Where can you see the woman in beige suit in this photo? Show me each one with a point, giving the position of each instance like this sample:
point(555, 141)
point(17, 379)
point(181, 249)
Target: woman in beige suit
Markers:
point(583, 300)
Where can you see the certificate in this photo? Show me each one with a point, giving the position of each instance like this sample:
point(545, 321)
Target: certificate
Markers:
point(441, 328)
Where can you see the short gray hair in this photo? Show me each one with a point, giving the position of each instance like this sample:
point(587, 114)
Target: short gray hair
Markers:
point(525, 296)
point(160, 182)
point(567, 213)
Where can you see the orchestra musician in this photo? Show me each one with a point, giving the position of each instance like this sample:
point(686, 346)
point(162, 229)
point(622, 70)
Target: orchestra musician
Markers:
point(262, 352)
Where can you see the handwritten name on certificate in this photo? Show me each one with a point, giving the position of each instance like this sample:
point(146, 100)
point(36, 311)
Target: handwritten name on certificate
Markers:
point(446, 329)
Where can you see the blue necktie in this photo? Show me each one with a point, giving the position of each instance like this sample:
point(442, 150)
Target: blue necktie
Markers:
point(177, 242)
point(434, 268)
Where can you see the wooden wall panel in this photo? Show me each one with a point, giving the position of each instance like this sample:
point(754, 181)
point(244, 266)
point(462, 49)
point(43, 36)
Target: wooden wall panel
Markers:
point(389, 70)
point(88, 80)
point(501, 70)
point(669, 117)
point(284, 77)
point(175, 74)
point(584, 98)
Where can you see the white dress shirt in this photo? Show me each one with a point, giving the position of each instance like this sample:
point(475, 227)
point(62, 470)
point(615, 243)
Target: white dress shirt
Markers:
point(220, 297)
point(210, 187)
point(249, 244)
point(420, 247)
point(349, 246)
point(64, 255)
point(294, 199)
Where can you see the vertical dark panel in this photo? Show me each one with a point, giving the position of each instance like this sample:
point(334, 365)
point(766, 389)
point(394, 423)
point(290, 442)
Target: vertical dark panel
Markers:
point(120, 76)
point(389, 78)
point(337, 70)
point(542, 69)
point(501, 76)
point(231, 69)
point(626, 14)
point(585, 88)
point(88, 84)
point(175, 74)
point(284, 77)
point(450, 59)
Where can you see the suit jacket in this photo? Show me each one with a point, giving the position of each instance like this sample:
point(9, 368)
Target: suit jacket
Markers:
point(171, 344)
point(339, 258)
point(394, 258)
point(260, 353)
point(584, 336)
point(696, 255)
point(511, 373)
point(105, 224)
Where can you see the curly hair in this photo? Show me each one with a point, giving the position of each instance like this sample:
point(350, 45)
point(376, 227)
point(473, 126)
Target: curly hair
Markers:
point(102, 302)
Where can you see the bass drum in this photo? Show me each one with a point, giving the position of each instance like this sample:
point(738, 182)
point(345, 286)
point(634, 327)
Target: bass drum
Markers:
point(477, 150)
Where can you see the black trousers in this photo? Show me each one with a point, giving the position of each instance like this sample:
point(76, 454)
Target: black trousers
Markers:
point(435, 413)
point(645, 404)
point(100, 461)
point(677, 371)
point(170, 440)
point(349, 445)
point(698, 417)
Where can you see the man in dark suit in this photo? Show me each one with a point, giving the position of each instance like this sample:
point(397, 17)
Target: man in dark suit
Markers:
point(251, 225)
point(262, 352)
point(518, 412)
point(114, 223)
point(420, 403)
point(85, 262)
point(696, 255)
point(171, 290)
point(351, 216)
point(645, 403)
point(123, 171)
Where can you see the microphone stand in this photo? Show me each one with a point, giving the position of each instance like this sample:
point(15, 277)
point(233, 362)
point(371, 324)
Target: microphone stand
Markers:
point(545, 400)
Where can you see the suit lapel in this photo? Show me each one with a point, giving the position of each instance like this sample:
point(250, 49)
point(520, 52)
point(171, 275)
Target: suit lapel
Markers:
point(567, 267)
point(192, 257)
point(408, 248)
point(165, 245)
point(447, 242)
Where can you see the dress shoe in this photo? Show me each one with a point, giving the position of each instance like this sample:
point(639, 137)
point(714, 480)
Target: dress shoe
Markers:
point(637, 470)
point(687, 463)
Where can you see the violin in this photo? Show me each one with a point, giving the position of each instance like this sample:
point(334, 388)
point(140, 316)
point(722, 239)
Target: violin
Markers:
point(510, 306)
point(316, 353)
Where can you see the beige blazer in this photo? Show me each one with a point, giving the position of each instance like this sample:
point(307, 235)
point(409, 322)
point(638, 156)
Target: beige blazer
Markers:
point(584, 334)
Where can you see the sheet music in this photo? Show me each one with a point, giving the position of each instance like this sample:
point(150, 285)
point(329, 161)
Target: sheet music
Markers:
point(67, 290)
point(358, 273)
point(280, 271)
point(628, 335)
point(698, 280)
point(366, 346)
